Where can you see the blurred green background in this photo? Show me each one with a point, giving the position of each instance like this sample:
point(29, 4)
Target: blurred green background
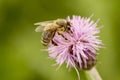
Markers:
point(20, 55)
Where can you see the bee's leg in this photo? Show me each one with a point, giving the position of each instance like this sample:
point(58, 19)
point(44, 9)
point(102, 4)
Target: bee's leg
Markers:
point(60, 31)
point(55, 44)
point(63, 36)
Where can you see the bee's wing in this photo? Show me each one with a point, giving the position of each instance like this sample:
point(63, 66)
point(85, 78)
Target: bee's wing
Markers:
point(41, 25)
point(39, 28)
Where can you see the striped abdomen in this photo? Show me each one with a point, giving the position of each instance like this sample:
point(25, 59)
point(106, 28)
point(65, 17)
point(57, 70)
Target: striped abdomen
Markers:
point(47, 36)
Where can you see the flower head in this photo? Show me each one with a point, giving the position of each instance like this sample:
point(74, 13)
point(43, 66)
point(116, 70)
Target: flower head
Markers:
point(78, 48)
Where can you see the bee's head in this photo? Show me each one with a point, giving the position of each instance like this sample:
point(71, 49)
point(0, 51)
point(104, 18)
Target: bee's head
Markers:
point(61, 22)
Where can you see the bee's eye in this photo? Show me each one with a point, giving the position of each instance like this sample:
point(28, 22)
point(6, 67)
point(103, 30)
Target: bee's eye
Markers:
point(68, 28)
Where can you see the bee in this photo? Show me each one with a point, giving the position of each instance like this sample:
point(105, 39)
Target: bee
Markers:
point(50, 28)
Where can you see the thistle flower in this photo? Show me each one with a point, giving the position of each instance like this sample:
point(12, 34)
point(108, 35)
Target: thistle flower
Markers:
point(78, 48)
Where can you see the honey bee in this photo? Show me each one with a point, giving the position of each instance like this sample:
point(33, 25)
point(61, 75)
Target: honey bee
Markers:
point(50, 28)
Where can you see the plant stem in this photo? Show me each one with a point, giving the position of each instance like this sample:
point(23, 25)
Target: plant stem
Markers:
point(93, 74)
